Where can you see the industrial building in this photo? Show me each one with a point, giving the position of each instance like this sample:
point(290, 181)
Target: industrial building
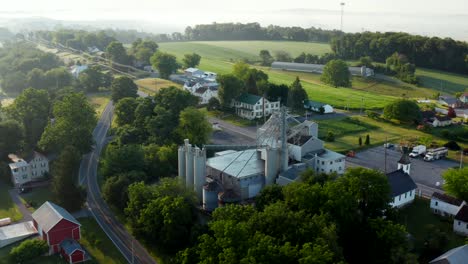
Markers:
point(285, 148)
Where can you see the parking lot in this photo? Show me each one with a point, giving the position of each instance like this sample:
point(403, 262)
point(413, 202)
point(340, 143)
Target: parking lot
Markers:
point(423, 173)
point(227, 137)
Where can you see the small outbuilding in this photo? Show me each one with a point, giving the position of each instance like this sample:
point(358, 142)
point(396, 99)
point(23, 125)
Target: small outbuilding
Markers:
point(445, 205)
point(316, 106)
point(441, 121)
point(460, 223)
point(72, 251)
point(12, 233)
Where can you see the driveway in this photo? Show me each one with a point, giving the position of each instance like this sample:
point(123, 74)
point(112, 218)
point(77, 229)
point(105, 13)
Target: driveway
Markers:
point(22, 208)
point(428, 175)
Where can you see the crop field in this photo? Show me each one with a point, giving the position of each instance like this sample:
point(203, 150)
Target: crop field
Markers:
point(442, 82)
point(152, 85)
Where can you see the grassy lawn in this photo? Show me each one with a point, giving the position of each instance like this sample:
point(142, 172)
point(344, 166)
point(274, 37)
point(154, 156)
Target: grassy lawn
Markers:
point(98, 101)
point(7, 207)
point(37, 197)
point(443, 82)
point(6, 102)
point(417, 216)
point(230, 118)
point(348, 130)
point(96, 242)
point(4, 259)
point(152, 85)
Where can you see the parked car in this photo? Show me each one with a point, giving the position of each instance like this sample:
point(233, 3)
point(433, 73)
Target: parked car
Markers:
point(389, 145)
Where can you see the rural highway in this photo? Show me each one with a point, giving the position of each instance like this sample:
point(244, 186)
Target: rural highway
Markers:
point(130, 248)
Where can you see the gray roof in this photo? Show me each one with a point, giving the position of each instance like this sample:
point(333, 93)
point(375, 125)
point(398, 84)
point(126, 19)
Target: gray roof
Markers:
point(462, 215)
point(447, 198)
point(404, 159)
point(400, 182)
point(457, 255)
point(50, 214)
point(239, 164)
point(448, 99)
point(17, 230)
point(70, 246)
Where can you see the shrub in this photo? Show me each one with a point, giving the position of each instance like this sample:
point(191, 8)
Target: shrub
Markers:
point(452, 145)
point(330, 136)
point(28, 250)
point(372, 114)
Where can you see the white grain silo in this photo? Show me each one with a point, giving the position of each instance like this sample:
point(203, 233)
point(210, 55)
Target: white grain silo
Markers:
point(271, 165)
point(181, 163)
point(199, 171)
point(188, 164)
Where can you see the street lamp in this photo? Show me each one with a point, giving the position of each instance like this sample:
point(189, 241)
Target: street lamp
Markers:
point(342, 4)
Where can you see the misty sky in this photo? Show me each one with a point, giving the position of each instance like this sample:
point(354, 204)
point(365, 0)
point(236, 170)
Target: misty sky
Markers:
point(429, 17)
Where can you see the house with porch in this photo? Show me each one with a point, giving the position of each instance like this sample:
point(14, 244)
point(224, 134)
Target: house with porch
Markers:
point(250, 106)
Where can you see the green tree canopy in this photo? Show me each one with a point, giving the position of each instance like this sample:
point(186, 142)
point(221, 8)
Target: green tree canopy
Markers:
point(191, 60)
point(266, 57)
point(93, 78)
point(194, 126)
point(296, 95)
point(123, 87)
point(116, 53)
point(165, 63)
point(336, 73)
point(402, 110)
point(230, 88)
point(63, 130)
point(11, 137)
point(456, 182)
point(122, 158)
point(28, 250)
point(125, 111)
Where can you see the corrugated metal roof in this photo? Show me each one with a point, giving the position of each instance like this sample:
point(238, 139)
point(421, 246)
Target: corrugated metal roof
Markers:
point(49, 214)
point(239, 164)
point(70, 246)
point(17, 230)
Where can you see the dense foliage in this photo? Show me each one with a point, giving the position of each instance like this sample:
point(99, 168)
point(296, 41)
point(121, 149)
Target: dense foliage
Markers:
point(336, 73)
point(123, 87)
point(191, 60)
point(77, 39)
point(399, 65)
point(165, 63)
point(436, 53)
point(318, 220)
point(456, 182)
point(296, 96)
point(28, 250)
point(402, 110)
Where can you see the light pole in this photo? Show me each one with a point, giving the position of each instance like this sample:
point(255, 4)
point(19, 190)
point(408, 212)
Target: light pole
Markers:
point(342, 4)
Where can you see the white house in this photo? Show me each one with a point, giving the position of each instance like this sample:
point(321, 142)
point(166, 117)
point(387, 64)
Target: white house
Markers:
point(206, 93)
point(315, 106)
point(441, 121)
point(29, 169)
point(77, 70)
point(251, 106)
point(446, 205)
point(193, 72)
point(464, 98)
point(460, 222)
point(403, 188)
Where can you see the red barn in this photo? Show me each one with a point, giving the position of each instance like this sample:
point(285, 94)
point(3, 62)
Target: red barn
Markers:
point(71, 251)
point(54, 224)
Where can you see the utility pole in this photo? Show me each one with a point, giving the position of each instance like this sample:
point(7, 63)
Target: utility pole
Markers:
point(461, 159)
point(385, 156)
point(133, 254)
point(342, 4)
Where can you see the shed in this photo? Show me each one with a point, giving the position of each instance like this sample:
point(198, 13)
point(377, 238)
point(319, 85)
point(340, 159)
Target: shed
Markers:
point(72, 251)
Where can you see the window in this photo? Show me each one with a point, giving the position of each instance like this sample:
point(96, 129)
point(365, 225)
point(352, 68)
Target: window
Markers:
point(330, 170)
point(399, 197)
point(436, 203)
point(331, 162)
point(322, 170)
point(405, 195)
point(323, 162)
point(25, 176)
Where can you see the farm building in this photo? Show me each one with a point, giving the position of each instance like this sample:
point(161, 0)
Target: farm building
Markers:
point(460, 222)
point(240, 173)
point(458, 255)
point(318, 68)
point(72, 251)
point(441, 121)
point(403, 188)
point(250, 106)
point(446, 205)
point(316, 106)
point(13, 233)
point(193, 72)
point(464, 98)
point(449, 101)
point(54, 225)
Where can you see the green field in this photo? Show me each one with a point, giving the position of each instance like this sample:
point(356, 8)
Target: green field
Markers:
point(443, 82)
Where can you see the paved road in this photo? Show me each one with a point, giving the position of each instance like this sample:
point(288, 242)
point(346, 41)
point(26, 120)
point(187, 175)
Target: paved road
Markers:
point(427, 175)
point(249, 132)
point(98, 208)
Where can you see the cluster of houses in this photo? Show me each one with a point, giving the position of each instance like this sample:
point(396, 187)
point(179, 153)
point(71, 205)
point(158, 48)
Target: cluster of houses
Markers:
point(451, 101)
point(448, 206)
point(199, 83)
point(54, 225)
point(436, 120)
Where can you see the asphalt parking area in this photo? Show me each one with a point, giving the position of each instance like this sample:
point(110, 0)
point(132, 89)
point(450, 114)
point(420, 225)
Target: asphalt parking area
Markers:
point(422, 172)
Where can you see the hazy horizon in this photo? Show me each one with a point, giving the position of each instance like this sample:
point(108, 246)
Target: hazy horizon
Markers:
point(431, 18)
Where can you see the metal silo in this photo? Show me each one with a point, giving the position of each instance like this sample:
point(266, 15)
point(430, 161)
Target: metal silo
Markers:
point(210, 196)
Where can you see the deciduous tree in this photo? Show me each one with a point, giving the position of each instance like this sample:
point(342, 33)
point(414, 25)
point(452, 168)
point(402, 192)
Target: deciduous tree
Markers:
point(336, 73)
point(296, 96)
point(165, 63)
point(194, 126)
point(191, 60)
point(123, 87)
point(456, 182)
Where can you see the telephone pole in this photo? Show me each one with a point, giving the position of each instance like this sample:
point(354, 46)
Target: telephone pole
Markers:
point(342, 4)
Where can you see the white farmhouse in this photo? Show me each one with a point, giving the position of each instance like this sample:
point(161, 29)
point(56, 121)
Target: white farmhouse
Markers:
point(446, 205)
point(29, 169)
point(316, 106)
point(251, 106)
point(441, 121)
point(403, 188)
point(460, 223)
point(206, 93)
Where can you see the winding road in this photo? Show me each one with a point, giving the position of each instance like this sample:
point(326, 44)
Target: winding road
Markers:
point(130, 248)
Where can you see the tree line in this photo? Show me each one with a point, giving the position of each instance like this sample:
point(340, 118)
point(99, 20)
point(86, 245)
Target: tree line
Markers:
point(430, 52)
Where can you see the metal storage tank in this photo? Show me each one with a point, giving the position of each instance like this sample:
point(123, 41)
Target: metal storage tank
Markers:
point(210, 196)
point(188, 164)
point(181, 163)
point(199, 171)
point(271, 165)
point(228, 197)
